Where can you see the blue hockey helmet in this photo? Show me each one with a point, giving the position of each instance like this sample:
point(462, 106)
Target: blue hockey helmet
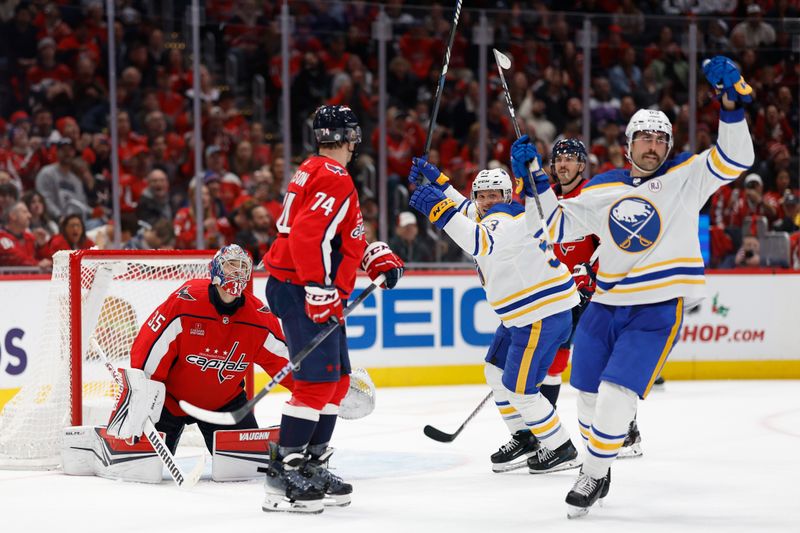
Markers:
point(230, 268)
point(336, 123)
point(567, 147)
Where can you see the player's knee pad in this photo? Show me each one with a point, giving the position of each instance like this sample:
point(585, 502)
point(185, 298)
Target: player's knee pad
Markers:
point(559, 363)
point(314, 395)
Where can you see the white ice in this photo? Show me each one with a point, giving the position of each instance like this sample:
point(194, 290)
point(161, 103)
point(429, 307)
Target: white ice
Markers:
point(718, 456)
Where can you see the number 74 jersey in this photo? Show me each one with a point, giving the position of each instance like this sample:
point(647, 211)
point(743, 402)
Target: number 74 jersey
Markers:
point(320, 230)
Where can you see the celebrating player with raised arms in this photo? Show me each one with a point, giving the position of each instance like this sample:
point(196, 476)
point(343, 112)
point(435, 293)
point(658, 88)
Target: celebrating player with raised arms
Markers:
point(651, 266)
point(530, 293)
point(312, 267)
point(197, 346)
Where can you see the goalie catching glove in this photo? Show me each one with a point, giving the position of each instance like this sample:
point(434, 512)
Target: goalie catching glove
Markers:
point(379, 259)
point(725, 77)
point(140, 398)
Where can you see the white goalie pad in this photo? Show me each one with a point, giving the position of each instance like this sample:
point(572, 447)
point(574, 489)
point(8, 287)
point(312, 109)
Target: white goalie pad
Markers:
point(89, 451)
point(239, 453)
point(360, 398)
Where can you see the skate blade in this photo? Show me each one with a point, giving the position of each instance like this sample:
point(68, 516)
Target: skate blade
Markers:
point(630, 452)
point(576, 512)
point(337, 501)
point(508, 467)
point(569, 465)
point(284, 505)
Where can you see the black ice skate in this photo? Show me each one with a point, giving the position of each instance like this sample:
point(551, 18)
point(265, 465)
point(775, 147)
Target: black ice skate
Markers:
point(514, 453)
point(632, 445)
point(562, 458)
point(287, 489)
point(586, 491)
point(337, 492)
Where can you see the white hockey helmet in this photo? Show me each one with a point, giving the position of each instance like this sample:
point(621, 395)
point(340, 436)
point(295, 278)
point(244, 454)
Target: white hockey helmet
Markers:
point(491, 180)
point(649, 120)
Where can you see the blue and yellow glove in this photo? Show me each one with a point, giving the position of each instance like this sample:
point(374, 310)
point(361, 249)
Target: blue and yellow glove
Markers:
point(432, 203)
point(421, 168)
point(522, 153)
point(725, 77)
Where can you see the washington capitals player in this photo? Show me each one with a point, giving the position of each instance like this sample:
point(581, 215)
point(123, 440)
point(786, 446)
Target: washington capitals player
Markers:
point(312, 267)
point(651, 266)
point(532, 296)
point(198, 345)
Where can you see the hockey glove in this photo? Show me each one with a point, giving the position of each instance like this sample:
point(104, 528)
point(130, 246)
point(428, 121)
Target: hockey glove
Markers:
point(139, 399)
point(432, 203)
point(523, 153)
point(379, 259)
point(584, 277)
point(323, 304)
point(724, 76)
point(420, 168)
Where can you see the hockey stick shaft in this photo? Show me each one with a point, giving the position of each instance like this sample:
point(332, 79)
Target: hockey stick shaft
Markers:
point(501, 60)
point(160, 447)
point(440, 86)
point(229, 418)
point(441, 436)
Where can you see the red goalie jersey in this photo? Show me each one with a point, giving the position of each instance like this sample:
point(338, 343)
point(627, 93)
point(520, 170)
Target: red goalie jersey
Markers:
point(321, 229)
point(201, 355)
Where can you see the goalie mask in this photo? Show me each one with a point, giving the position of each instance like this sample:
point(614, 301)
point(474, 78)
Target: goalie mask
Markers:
point(335, 124)
point(230, 269)
point(496, 179)
point(651, 121)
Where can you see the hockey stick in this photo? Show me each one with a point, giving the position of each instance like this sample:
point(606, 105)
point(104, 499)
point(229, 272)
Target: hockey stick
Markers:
point(504, 63)
point(441, 436)
point(440, 86)
point(182, 480)
point(229, 418)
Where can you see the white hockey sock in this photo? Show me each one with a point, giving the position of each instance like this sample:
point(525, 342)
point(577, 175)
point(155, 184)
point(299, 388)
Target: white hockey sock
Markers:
point(541, 418)
point(494, 377)
point(616, 407)
point(586, 406)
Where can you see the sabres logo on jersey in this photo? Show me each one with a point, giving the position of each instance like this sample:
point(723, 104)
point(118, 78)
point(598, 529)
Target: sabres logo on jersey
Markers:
point(183, 294)
point(634, 223)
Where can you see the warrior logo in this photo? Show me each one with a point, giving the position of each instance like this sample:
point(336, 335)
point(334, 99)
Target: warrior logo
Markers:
point(213, 361)
point(634, 224)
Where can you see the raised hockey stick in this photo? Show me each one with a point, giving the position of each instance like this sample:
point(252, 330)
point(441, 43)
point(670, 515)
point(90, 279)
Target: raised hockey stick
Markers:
point(182, 480)
point(441, 436)
point(504, 63)
point(440, 86)
point(228, 418)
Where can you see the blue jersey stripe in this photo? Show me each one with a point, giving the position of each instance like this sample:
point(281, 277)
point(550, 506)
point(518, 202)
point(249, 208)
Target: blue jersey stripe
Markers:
point(632, 280)
point(728, 159)
point(535, 296)
point(723, 178)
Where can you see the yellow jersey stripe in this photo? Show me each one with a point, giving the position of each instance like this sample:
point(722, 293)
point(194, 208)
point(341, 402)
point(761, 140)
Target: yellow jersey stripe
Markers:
point(546, 427)
point(523, 292)
point(527, 357)
point(609, 447)
point(507, 410)
point(548, 301)
point(484, 241)
point(676, 326)
point(692, 260)
point(604, 185)
point(722, 166)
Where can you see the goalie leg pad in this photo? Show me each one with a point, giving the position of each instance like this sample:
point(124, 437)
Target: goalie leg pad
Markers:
point(140, 398)
point(88, 450)
point(238, 454)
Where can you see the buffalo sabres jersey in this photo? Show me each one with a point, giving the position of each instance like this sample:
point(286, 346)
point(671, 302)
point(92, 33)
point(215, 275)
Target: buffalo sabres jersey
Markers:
point(522, 285)
point(648, 227)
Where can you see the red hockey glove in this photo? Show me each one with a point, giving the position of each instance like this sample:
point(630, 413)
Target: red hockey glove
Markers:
point(584, 277)
point(379, 259)
point(323, 304)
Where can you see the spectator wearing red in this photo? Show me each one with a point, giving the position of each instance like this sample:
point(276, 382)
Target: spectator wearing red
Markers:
point(611, 50)
point(18, 246)
point(215, 226)
point(772, 125)
point(47, 71)
point(129, 141)
point(404, 138)
point(79, 43)
point(71, 236)
point(20, 160)
point(49, 24)
point(775, 196)
point(750, 203)
point(418, 48)
point(262, 151)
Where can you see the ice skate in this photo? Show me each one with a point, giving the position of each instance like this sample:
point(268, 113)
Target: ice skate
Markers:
point(515, 453)
point(562, 458)
point(632, 445)
point(586, 491)
point(337, 492)
point(287, 489)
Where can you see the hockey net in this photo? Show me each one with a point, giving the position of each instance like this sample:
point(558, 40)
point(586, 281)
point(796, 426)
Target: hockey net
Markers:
point(105, 293)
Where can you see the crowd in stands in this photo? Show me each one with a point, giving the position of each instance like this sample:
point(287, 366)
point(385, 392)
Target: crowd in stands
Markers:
point(55, 147)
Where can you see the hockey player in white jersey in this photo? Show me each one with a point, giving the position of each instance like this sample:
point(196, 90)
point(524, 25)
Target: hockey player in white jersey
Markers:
point(651, 267)
point(530, 293)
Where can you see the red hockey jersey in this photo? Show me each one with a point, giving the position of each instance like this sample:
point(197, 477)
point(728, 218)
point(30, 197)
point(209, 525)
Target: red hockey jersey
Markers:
point(320, 230)
point(202, 356)
point(573, 253)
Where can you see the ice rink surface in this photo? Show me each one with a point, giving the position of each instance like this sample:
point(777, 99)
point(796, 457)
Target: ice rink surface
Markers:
point(718, 456)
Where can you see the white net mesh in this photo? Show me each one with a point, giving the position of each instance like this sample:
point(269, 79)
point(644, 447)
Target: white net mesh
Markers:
point(360, 398)
point(116, 294)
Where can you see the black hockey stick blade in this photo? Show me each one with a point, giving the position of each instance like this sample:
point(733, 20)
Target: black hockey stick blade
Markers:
point(439, 435)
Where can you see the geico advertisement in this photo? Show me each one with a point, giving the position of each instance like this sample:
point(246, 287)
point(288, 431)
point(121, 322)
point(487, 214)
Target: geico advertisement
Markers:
point(445, 320)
